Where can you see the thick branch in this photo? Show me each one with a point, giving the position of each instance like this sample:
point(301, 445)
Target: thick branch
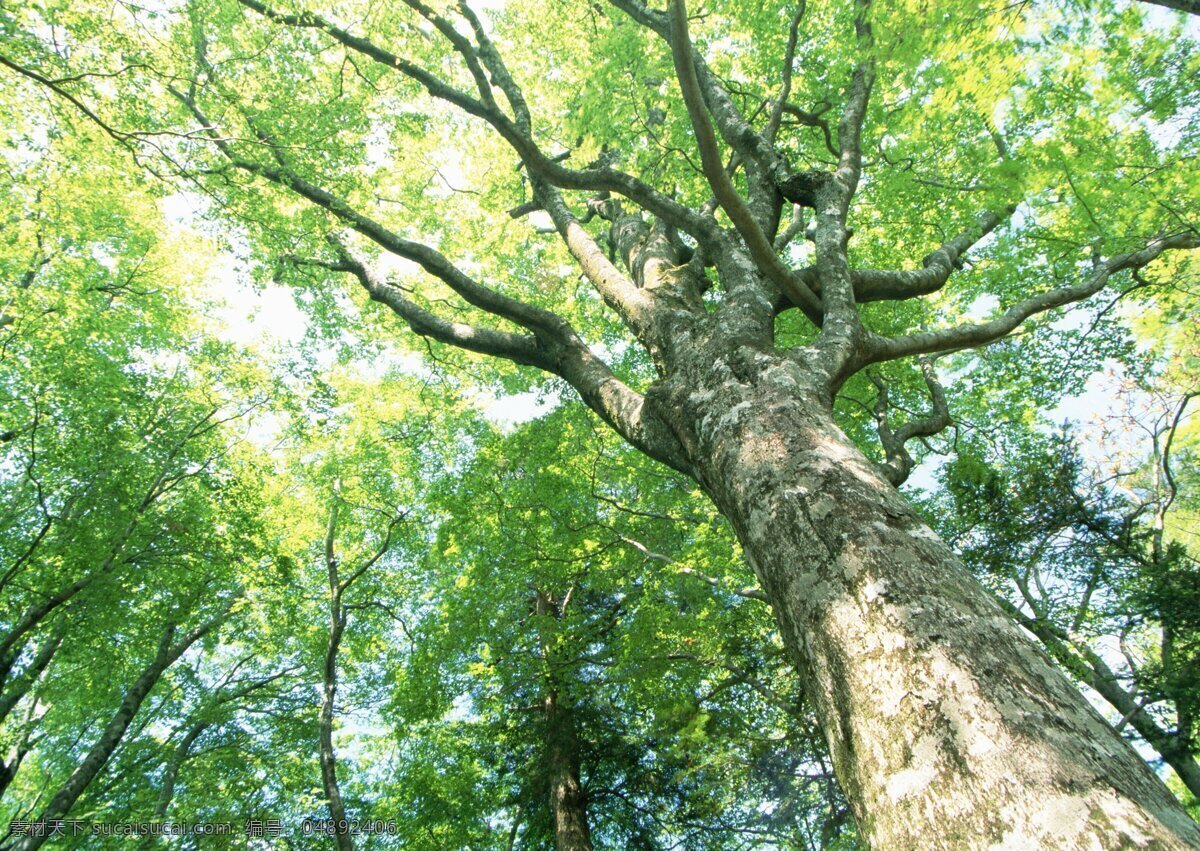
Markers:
point(884, 285)
point(1192, 7)
point(632, 304)
point(519, 348)
point(732, 125)
point(562, 354)
point(842, 326)
point(714, 171)
point(499, 71)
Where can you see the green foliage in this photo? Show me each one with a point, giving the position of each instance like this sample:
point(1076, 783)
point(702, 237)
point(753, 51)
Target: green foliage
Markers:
point(168, 469)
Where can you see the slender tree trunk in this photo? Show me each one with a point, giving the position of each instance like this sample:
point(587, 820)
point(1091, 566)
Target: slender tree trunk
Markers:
point(568, 803)
point(19, 750)
point(171, 773)
point(329, 677)
point(948, 727)
point(19, 686)
point(171, 777)
point(333, 793)
point(169, 650)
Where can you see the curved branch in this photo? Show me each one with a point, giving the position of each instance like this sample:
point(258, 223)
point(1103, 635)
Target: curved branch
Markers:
point(885, 285)
point(1165, 463)
point(899, 463)
point(714, 171)
point(601, 178)
point(519, 348)
point(881, 348)
point(560, 352)
point(118, 136)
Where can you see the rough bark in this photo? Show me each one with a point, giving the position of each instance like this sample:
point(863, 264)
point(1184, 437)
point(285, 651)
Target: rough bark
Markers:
point(1090, 668)
point(949, 728)
point(568, 802)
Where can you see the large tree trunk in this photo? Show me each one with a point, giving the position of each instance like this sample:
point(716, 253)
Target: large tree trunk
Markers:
point(948, 726)
point(568, 801)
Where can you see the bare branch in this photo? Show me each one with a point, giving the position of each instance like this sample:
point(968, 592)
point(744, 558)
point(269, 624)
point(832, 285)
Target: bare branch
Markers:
point(881, 285)
point(855, 111)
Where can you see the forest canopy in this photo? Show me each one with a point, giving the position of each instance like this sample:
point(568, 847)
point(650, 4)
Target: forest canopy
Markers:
point(620, 424)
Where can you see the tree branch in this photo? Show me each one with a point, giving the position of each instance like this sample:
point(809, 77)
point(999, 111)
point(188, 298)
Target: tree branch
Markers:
point(887, 285)
point(561, 353)
point(601, 178)
point(899, 463)
point(519, 348)
point(714, 171)
point(1192, 7)
point(785, 89)
point(881, 348)
point(855, 111)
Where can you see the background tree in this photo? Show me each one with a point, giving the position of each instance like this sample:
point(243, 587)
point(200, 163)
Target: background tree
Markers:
point(588, 688)
point(1094, 553)
point(129, 532)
